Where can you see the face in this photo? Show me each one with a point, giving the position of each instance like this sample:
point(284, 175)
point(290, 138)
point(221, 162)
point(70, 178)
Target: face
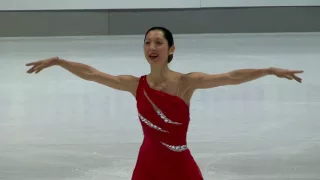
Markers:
point(156, 49)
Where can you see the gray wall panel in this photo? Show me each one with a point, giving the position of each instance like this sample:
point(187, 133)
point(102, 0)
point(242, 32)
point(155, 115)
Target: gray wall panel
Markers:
point(227, 20)
point(53, 23)
point(137, 22)
point(180, 21)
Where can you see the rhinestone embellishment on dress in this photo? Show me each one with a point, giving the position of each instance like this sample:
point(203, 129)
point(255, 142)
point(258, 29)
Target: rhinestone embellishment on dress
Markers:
point(175, 148)
point(164, 118)
point(160, 113)
point(143, 119)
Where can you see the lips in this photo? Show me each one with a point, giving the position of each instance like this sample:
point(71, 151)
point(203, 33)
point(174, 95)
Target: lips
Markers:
point(153, 55)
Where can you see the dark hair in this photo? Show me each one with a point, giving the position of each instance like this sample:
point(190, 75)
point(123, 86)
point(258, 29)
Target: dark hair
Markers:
point(167, 35)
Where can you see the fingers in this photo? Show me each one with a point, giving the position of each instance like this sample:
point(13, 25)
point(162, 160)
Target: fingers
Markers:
point(297, 71)
point(297, 78)
point(288, 77)
point(32, 63)
point(292, 76)
point(37, 66)
point(36, 69)
point(31, 70)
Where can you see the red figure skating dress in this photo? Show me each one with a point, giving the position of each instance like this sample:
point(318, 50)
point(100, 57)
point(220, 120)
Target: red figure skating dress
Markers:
point(164, 154)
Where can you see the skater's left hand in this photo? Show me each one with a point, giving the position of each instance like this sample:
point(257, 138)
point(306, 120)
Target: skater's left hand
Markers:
point(289, 74)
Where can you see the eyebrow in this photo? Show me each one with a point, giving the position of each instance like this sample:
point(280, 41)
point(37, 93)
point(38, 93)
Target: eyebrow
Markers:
point(147, 39)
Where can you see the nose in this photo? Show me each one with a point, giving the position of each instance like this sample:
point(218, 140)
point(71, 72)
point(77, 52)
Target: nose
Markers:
point(152, 46)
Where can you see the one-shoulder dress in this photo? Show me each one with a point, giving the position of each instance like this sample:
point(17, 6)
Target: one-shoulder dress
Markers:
point(164, 153)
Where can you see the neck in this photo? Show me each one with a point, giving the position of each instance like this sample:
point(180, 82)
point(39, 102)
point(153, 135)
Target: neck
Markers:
point(159, 73)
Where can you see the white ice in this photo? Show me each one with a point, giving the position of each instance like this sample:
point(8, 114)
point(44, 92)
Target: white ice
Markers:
point(56, 126)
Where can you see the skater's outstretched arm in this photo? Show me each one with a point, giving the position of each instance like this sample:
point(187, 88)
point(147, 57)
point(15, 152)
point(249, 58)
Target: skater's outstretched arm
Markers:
point(86, 72)
point(199, 80)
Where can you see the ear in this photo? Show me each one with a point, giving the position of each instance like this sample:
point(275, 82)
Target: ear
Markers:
point(171, 50)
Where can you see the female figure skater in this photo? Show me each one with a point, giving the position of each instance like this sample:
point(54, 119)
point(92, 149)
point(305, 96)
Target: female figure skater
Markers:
point(163, 98)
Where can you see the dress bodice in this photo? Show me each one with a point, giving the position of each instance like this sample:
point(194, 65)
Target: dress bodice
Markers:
point(164, 117)
point(164, 153)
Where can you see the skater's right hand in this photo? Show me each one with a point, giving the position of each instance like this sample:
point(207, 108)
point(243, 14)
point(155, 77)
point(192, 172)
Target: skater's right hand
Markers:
point(37, 66)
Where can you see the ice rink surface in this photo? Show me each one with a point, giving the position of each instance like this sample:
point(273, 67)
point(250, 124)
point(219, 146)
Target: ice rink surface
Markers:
point(56, 126)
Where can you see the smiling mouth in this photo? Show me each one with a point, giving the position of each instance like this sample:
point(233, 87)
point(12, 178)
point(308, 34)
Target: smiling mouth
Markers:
point(153, 56)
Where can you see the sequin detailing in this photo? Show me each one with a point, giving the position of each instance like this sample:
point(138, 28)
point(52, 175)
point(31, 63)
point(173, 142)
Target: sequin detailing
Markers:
point(164, 118)
point(160, 113)
point(175, 148)
point(147, 122)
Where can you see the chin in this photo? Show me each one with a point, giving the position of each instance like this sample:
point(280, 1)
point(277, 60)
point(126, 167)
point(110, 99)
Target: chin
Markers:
point(155, 61)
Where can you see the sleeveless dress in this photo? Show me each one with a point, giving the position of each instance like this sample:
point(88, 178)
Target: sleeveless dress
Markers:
point(164, 154)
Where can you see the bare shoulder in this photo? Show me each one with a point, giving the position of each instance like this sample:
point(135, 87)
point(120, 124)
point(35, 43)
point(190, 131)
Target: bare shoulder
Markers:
point(201, 80)
point(131, 82)
point(119, 82)
point(188, 79)
point(186, 89)
point(129, 78)
point(193, 76)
